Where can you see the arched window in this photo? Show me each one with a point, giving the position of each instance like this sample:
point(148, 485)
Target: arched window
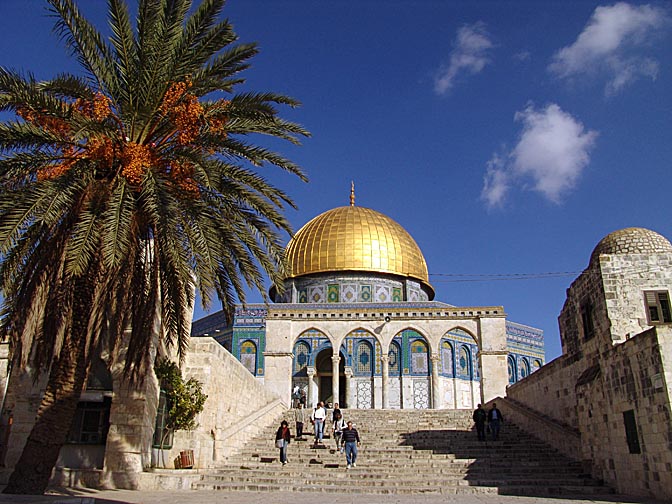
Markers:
point(524, 368)
point(248, 356)
point(464, 362)
point(301, 357)
point(394, 364)
point(419, 357)
point(364, 359)
point(536, 365)
point(447, 361)
point(511, 364)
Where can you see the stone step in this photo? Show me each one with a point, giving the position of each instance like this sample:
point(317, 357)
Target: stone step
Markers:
point(406, 482)
point(403, 454)
point(418, 460)
point(484, 450)
point(294, 469)
point(343, 487)
point(407, 452)
point(501, 465)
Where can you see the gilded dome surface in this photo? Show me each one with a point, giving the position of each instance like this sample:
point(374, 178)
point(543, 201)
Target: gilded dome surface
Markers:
point(632, 241)
point(353, 238)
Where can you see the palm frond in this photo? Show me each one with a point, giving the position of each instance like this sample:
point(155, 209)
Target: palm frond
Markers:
point(81, 249)
point(119, 225)
point(222, 68)
point(86, 44)
point(126, 51)
point(237, 149)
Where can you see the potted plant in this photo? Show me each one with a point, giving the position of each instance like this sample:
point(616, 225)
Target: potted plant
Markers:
point(185, 400)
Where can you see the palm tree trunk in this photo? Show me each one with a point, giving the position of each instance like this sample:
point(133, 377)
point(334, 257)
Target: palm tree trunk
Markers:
point(57, 410)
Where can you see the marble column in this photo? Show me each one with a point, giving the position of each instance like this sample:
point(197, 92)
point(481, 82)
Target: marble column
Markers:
point(335, 359)
point(436, 396)
point(349, 396)
point(385, 362)
point(312, 393)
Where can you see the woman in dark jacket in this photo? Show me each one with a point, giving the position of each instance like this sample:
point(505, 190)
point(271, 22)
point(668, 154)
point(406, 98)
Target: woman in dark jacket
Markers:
point(282, 438)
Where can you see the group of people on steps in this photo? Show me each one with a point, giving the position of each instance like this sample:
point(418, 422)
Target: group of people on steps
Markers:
point(494, 419)
point(345, 434)
point(347, 438)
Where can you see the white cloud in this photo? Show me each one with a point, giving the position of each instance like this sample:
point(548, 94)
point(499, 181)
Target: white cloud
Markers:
point(471, 53)
point(551, 154)
point(613, 43)
point(495, 183)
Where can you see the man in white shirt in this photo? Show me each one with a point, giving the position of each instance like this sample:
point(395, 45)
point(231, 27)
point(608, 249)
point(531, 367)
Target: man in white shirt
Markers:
point(318, 416)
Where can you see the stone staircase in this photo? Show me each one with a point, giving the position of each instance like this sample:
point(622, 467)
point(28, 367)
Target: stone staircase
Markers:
point(407, 452)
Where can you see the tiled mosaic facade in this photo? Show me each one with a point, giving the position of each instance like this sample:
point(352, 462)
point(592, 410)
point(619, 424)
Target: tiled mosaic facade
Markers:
point(351, 289)
point(526, 351)
point(408, 352)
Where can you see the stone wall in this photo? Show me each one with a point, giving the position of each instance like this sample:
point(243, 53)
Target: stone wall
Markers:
point(459, 394)
point(616, 369)
point(4, 415)
point(635, 375)
point(624, 278)
point(631, 378)
point(562, 437)
point(132, 421)
point(237, 408)
point(20, 406)
point(551, 390)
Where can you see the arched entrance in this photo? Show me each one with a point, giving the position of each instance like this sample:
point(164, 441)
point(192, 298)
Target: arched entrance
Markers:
point(324, 377)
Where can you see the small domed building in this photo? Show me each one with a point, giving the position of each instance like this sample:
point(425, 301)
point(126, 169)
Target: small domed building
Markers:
point(608, 398)
point(357, 324)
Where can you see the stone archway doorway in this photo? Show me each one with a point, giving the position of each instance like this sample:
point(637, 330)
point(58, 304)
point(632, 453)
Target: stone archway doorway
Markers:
point(324, 376)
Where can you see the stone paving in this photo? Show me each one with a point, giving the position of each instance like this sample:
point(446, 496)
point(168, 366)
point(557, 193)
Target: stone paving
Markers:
point(220, 497)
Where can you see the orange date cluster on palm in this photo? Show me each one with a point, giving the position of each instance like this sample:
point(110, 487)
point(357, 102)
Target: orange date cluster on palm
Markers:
point(47, 122)
point(187, 114)
point(135, 160)
point(181, 108)
point(98, 109)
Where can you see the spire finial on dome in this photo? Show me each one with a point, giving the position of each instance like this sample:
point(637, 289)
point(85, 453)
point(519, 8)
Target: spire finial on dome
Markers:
point(352, 193)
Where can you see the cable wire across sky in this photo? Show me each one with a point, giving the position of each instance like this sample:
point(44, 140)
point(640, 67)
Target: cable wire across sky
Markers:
point(495, 277)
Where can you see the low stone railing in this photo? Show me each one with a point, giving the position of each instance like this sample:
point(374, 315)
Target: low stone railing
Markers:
point(563, 438)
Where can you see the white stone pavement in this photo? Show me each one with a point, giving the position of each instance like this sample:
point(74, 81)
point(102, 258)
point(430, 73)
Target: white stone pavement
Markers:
point(222, 497)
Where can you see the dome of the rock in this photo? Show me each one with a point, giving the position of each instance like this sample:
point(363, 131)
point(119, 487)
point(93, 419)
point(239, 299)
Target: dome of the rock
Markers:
point(355, 239)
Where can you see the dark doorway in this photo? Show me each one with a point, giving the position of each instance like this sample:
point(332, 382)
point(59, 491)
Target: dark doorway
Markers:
point(323, 366)
point(326, 392)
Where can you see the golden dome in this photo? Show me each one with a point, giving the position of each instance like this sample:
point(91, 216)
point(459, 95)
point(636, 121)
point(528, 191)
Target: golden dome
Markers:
point(352, 238)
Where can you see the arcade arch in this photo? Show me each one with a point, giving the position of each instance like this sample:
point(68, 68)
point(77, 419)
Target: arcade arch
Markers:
point(459, 374)
point(404, 373)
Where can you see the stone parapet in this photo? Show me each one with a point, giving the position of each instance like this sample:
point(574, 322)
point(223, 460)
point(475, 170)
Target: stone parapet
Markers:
point(238, 405)
point(562, 437)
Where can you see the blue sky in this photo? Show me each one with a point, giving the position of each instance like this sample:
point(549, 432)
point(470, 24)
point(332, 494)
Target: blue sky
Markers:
point(507, 137)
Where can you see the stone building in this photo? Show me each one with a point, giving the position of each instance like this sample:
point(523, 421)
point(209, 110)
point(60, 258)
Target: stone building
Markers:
point(608, 397)
point(357, 324)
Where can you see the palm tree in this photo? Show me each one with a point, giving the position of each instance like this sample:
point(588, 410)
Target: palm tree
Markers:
point(124, 191)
